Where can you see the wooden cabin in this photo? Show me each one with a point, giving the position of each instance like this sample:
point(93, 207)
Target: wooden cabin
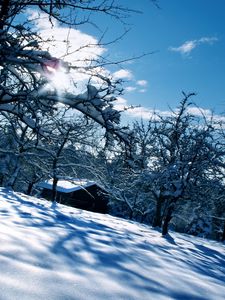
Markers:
point(82, 194)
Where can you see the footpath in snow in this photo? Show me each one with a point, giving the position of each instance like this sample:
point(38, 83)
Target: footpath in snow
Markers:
point(64, 253)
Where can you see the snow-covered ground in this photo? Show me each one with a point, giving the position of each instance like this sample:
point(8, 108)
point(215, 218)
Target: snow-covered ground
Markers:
point(64, 253)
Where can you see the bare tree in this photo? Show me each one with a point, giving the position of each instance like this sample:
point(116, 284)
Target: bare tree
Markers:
point(25, 66)
point(169, 162)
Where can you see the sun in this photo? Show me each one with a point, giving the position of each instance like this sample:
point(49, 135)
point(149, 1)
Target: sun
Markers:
point(57, 75)
point(59, 79)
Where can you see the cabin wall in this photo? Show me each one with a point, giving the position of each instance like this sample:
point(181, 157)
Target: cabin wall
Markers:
point(90, 199)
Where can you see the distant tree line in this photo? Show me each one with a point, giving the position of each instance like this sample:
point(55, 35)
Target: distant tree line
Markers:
point(168, 173)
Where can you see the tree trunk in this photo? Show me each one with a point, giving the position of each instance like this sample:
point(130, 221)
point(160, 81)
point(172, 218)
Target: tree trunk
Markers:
point(1, 179)
point(30, 187)
point(167, 219)
point(131, 214)
point(12, 180)
point(157, 222)
point(54, 191)
point(223, 235)
point(142, 218)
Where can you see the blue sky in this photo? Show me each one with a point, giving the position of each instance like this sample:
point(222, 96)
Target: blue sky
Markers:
point(189, 39)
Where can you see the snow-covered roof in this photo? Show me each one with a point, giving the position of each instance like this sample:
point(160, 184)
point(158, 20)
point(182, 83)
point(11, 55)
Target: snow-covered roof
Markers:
point(67, 186)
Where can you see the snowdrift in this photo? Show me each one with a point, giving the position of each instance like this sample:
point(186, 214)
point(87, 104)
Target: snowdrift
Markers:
point(65, 253)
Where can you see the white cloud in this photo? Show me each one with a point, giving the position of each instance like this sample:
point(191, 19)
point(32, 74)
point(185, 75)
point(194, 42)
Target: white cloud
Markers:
point(130, 88)
point(188, 46)
point(142, 82)
point(207, 113)
point(140, 85)
point(123, 74)
point(120, 103)
point(67, 43)
point(198, 111)
point(146, 113)
point(142, 91)
point(71, 46)
point(208, 40)
point(139, 111)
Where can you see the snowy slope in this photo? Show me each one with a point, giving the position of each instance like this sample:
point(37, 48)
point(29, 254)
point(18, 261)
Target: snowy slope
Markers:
point(64, 253)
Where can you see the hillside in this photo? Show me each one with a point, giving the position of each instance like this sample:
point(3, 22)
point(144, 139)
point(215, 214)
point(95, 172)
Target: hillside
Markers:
point(65, 253)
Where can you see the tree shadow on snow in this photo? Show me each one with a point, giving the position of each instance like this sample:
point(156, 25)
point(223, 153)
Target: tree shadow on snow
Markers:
point(83, 244)
point(77, 243)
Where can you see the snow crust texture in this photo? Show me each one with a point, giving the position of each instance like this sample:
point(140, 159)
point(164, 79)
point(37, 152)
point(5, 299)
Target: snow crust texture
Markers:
point(65, 253)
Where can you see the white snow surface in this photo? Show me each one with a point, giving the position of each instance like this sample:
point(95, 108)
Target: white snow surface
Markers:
point(67, 186)
point(65, 253)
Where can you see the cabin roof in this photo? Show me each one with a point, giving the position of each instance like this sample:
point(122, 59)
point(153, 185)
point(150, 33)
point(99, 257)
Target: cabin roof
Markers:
point(67, 186)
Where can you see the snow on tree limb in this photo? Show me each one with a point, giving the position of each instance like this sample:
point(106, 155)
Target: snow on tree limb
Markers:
point(25, 68)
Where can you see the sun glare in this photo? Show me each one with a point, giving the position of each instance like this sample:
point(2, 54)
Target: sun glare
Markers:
point(58, 78)
point(50, 70)
point(57, 75)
